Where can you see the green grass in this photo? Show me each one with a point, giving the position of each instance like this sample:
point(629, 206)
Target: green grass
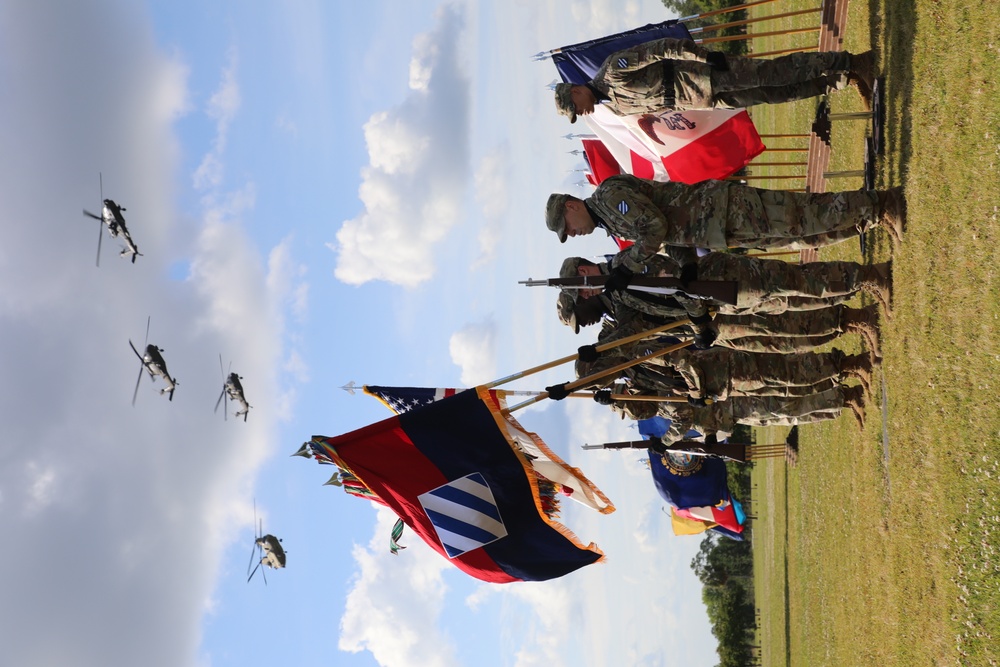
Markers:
point(892, 557)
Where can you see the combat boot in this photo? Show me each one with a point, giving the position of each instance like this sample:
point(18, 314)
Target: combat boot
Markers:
point(876, 280)
point(854, 399)
point(862, 75)
point(864, 321)
point(892, 213)
point(858, 366)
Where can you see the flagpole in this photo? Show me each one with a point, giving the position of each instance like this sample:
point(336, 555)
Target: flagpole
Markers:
point(614, 370)
point(600, 348)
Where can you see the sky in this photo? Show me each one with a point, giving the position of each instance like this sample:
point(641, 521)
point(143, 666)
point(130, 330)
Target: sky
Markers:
point(322, 192)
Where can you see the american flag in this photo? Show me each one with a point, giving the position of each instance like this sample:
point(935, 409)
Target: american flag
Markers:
point(403, 399)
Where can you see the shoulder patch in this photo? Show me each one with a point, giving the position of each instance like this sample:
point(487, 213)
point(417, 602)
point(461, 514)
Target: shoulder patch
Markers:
point(623, 207)
point(623, 62)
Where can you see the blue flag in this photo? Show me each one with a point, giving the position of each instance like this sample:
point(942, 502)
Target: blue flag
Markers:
point(578, 63)
point(689, 481)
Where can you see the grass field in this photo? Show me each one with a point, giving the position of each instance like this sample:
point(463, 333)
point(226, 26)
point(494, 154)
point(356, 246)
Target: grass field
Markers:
point(867, 554)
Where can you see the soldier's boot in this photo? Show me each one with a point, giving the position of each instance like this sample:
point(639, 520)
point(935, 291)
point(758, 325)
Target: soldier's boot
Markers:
point(864, 321)
point(892, 214)
point(876, 280)
point(858, 366)
point(854, 398)
point(862, 75)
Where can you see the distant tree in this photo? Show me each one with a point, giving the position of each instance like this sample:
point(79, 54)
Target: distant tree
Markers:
point(685, 8)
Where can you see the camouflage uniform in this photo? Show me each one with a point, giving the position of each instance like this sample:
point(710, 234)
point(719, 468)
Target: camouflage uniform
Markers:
point(721, 373)
point(675, 74)
point(761, 283)
point(722, 417)
point(782, 333)
point(722, 214)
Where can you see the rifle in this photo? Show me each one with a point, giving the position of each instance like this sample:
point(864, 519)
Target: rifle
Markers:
point(723, 291)
point(736, 451)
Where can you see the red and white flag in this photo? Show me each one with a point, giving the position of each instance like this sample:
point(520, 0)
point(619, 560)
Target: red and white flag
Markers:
point(685, 146)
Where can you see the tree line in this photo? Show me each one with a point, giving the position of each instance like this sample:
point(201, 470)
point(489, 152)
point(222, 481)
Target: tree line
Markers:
point(725, 568)
point(684, 8)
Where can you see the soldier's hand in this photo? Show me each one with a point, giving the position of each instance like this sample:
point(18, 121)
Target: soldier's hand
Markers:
point(718, 61)
point(657, 445)
point(704, 339)
point(618, 280)
point(557, 392)
point(588, 353)
point(697, 402)
point(603, 396)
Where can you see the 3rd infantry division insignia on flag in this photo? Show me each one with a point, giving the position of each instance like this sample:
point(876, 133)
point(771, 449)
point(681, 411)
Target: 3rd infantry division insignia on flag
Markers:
point(623, 207)
point(464, 514)
point(622, 62)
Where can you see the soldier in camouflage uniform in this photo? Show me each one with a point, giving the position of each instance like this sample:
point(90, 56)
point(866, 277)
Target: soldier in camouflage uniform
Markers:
point(812, 320)
point(677, 74)
point(783, 333)
point(721, 373)
point(718, 417)
point(763, 285)
point(719, 215)
point(721, 418)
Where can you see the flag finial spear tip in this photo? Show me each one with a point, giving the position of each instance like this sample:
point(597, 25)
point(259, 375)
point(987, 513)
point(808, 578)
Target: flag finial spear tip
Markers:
point(350, 387)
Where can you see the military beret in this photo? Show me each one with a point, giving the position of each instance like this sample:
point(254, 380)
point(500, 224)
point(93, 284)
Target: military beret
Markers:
point(566, 306)
point(564, 101)
point(555, 218)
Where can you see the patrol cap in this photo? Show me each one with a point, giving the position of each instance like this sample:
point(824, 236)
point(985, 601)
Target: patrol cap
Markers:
point(564, 101)
point(555, 218)
point(566, 306)
point(569, 267)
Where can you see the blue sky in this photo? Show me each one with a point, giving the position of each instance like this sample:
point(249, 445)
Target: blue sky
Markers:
point(322, 193)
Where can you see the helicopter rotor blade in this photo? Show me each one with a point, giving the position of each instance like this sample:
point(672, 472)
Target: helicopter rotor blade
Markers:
point(221, 370)
point(146, 342)
point(254, 570)
point(100, 227)
point(100, 235)
point(137, 381)
point(220, 400)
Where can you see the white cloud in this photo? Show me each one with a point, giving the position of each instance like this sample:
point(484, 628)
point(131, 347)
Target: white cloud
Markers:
point(413, 189)
point(222, 108)
point(493, 196)
point(394, 606)
point(119, 514)
point(473, 349)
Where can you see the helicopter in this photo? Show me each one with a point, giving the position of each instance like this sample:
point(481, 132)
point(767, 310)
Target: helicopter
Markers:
point(269, 550)
point(153, 363)
point(111, 215)
point(232, 389)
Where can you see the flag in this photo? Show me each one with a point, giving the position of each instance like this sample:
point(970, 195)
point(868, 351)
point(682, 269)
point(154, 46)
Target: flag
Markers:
point(685, 525)
point(600, 160)
point(402, 399)
point(689, 481)
point(698, 145)
point(685, 146)
point(629, 151)
point(454, 472)
point(579, 62)
point(723, 514)
point(569, 480)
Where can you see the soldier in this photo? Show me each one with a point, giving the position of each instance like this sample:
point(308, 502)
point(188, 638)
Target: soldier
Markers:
point(719, 215)
point(782, 333)
point(763, 285)
point(721, 373)
point(719, 419)
point(676, 74)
